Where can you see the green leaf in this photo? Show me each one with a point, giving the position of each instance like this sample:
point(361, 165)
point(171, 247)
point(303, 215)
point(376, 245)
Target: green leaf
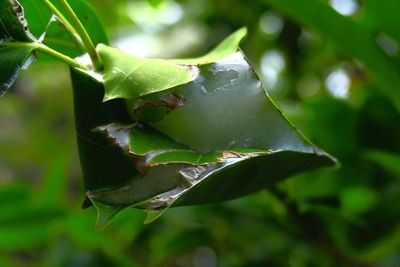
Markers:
point(13, 28)
point(37, 16)
point(126, 76)
point(13, 23)
point(355, 41)
point(129, 77)
point(12, 61)
point(228, 46)
point(222, 138)
point(15, 52)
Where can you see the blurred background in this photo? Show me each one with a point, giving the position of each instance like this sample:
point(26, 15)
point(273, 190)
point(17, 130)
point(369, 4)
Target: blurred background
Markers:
point(332, 66)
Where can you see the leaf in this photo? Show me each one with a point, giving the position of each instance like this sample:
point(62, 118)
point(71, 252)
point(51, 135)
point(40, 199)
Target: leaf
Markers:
point(13, 28)
point(228, 46)
point(355, 41)
point(126, 76)
point(14, 33)
point(129, 77)
point(221, 138)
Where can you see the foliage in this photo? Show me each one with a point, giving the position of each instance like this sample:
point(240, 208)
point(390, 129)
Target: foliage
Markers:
point(330, 217)
point(163, 156)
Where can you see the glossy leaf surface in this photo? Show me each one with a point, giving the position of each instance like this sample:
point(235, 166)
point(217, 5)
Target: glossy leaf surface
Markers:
point(217, 138)
point(126, 76)
point(13, 28)
point(129, 77)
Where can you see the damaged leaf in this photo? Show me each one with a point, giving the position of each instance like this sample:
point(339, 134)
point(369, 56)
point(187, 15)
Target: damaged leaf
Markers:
point(16, 40)
point(130, 77)
point(221, 138)
point(13, 29)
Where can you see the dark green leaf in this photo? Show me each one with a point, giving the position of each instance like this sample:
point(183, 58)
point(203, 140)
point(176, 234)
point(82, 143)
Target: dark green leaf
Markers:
point(221, 139)
point(12, 61)
point(13, 28)
point(13, 23)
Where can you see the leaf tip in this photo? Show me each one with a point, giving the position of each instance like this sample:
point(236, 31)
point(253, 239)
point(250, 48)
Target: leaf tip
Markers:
point(107, 97)
point(242, 32)
point(105, 215)
point(153, 215)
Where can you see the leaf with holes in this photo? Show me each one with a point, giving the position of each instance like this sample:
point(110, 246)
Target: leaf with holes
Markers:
point(216, 138)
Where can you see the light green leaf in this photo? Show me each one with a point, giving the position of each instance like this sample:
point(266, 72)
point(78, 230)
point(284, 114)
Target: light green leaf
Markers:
point(228, 46)
point(129, 77)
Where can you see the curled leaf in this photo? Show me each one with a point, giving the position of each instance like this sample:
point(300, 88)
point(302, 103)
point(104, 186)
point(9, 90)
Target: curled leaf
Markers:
point(220, 137)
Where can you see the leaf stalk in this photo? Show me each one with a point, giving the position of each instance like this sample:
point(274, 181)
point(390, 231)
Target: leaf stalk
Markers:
point(46, 50)
point(61, 18)
point(80, 29)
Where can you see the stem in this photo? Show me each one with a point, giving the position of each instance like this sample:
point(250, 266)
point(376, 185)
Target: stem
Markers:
point(46, 50)
point(80, 29)
point(57, 55)
point(66, 23)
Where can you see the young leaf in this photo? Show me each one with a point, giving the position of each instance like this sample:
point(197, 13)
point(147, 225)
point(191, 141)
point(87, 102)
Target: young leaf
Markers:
point(13, 28)
point(219, 138)
point(126, 76)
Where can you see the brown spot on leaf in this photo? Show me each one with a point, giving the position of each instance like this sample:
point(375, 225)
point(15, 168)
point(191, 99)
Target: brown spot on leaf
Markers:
point(156, 110)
